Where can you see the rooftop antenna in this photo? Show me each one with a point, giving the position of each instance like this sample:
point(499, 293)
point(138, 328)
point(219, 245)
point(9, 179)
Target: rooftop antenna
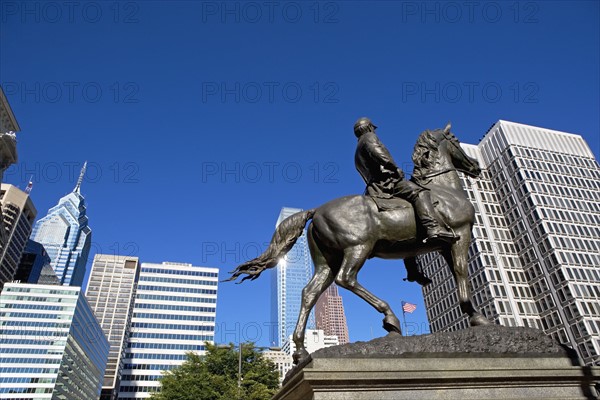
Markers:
point(81, 175)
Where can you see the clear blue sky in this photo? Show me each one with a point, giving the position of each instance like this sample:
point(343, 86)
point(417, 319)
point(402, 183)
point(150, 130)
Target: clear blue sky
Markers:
point(200, 120)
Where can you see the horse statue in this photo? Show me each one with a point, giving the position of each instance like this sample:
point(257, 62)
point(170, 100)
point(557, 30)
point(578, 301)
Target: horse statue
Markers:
point(347, 231)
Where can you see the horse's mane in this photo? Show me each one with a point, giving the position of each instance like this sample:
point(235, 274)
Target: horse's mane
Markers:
point(426, 148)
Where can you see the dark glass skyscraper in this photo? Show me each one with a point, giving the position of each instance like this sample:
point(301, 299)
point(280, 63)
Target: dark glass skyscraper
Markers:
point(66, 236)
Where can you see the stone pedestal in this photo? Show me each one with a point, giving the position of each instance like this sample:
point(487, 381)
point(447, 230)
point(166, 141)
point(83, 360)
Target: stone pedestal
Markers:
point(477, 363)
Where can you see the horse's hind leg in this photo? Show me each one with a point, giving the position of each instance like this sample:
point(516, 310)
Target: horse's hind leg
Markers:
point(322, 278)
point(456, 257)
point(354, 259)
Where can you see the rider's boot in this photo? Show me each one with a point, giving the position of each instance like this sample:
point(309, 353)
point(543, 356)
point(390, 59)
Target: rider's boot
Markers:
point(425, 213)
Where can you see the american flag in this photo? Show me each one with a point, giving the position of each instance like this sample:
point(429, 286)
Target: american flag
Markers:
point(408, 307)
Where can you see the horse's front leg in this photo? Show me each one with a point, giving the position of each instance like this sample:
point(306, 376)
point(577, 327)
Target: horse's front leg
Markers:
point(457, 257)
point(354, 259)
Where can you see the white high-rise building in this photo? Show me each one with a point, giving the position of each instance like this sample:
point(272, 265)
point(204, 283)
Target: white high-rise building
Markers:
point(174, 313)
point(51, 345)
point(315, 339)
point(535, 252)
point(110, 292)
point(288, 279)
point(282, 360)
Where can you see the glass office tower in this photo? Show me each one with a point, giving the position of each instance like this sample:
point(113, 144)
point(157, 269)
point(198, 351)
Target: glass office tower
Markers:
point(288, 279)
point(66, 236)
point(52, 346)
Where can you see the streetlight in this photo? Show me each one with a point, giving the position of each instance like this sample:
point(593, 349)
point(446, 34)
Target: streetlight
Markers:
point(230, 347)
point(240, 369)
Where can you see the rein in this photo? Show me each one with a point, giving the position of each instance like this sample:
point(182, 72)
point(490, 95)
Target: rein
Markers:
point(457, 147)
point(444, 171)
point(436, 173)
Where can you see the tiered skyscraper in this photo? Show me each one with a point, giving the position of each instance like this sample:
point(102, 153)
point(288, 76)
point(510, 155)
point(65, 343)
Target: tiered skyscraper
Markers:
point(287, 281)
point(110, 292)
point(535, 253)
point(330, 316)
point(66, 236)
point(174, 312)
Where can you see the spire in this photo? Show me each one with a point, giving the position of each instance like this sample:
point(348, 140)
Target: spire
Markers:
point(81, 174)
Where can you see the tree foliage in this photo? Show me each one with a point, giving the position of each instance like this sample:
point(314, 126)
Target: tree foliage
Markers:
point(214, 376)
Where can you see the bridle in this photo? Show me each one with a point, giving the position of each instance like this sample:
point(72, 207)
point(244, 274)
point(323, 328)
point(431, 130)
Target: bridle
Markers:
point(450, 139)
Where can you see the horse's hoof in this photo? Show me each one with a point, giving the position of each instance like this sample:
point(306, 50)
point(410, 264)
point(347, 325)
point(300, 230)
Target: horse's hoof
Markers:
point(478, 319)
point(391, 324)
point(299, 356)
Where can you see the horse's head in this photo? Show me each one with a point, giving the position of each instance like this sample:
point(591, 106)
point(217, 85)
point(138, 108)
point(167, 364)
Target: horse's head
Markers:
point(438, 152)
point(460, 159)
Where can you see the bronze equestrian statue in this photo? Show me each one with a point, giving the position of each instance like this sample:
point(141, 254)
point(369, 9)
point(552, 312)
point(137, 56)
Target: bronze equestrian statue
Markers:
point(347, 231)
point(385, 180)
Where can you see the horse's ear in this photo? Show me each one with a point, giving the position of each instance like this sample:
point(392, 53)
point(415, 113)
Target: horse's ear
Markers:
point(447, 128)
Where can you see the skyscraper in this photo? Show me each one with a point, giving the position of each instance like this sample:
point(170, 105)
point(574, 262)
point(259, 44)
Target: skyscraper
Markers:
point(66, 236)
point(535, 252)
point(51, 346)
point(174, 312)
point(330, 316)
point(18, 214)
point(288, 279)
point(110, 292)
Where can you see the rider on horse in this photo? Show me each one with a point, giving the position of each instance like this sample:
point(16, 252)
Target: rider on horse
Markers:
point(385, 180)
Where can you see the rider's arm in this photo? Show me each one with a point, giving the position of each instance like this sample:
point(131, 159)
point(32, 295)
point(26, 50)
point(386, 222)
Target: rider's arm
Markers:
point(380, 153)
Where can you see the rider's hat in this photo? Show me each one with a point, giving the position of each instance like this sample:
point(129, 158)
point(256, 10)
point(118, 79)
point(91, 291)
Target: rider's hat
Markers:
point(361, 123)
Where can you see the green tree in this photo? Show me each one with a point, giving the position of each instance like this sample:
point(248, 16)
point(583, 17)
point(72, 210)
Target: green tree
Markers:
point(214, 376)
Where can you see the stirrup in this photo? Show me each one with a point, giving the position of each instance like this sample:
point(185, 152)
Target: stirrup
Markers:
point(443, 236)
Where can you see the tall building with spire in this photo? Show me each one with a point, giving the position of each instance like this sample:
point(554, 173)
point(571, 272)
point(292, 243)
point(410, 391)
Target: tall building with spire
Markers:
point(287, 281)
point(66, 236)
point(535, 251)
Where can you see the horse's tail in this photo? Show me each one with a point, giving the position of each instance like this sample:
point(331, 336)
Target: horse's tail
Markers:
point(284, 238)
